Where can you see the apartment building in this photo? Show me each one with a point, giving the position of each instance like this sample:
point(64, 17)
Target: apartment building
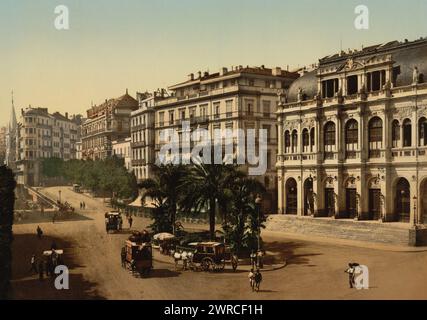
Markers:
point(105, 123)
point(240, 98)
point(42, 135)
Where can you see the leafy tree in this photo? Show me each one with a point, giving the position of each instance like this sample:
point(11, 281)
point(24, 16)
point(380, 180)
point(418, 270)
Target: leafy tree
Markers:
point(52, 167)
point(7, 202)
point(245, 221)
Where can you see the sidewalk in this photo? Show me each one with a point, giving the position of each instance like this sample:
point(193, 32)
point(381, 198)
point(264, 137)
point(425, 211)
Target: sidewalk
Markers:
point(242, 266)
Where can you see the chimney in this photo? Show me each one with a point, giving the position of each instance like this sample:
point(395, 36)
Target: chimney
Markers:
point(206, 73)
point(66, 115)
point(277, 71)
point(200, 74)
point(223, 71)
point(191, 77)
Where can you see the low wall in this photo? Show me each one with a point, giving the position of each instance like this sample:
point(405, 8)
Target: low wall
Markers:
point(371, 231)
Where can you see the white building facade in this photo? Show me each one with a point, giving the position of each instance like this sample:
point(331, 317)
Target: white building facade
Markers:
point(353, 137)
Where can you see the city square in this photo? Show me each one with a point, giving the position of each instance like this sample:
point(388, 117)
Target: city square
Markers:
point(213, 151)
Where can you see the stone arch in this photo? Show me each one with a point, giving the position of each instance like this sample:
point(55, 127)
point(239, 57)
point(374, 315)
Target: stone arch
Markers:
point(402, 200)
point(423, 201)
point(309, 197)
point(291, 188)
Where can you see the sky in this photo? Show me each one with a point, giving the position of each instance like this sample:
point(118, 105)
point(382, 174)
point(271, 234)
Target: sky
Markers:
point(143, 45)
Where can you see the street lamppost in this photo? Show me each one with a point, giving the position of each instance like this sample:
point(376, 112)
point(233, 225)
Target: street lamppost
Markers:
point(415, 211)
point(258, 202)
point(59, 192)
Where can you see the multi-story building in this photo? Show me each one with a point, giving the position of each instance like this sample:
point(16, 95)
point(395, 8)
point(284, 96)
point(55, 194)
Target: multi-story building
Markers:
point(143, 133)
point(353, 137)
point(42, 135)
point(122, 150)
point(107, 122)
point(240, 98)
point(3, 132)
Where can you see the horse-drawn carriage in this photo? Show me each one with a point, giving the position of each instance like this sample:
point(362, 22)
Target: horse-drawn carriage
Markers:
point(205, 256)
point(113, 221)
point(53, 258)
point(139, 253)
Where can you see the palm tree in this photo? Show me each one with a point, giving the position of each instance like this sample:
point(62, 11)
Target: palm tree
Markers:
point(208, 187)
point(244, 223)
point(164, 189)
point(7, 202)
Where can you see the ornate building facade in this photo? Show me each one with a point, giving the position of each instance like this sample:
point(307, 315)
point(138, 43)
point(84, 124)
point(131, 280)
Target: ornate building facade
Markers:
point(353, 137)
point(107, 122)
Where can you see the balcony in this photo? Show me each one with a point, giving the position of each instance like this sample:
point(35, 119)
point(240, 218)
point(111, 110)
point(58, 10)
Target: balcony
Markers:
point(138, 162)
point(138, 144)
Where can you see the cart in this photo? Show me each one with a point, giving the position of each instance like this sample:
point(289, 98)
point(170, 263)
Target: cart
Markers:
point(139, 257)
point(113, 221)
point(207, 256)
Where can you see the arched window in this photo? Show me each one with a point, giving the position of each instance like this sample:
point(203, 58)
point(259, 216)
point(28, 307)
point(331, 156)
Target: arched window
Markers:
point(312, 139)
point(306, 140)
point(422, 132)
point(287, 142)
point(407, 133)
point(329, 139)
point(351, 138)
point(395, 133)
point(294, 141)
point(375, 137)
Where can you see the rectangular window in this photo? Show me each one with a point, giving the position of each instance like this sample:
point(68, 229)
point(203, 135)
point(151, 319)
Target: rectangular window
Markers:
point(352, 85)
point(229, 108)
point(216, 107)
point(329, 88)
point(161, 119)
point(249, 107)
point(266, 109)
point(171, 117)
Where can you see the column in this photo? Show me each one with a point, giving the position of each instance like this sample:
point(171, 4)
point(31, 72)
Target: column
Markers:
point(280, 190)
point(280, 136)
point(300, 184)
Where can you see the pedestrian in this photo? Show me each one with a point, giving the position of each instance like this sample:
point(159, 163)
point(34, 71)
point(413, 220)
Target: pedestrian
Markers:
point(81, 206)
point(123, 256)
point(133, 265)
point(260, 255)
point(54, 217)
point(48, 266)
point(130, 220)
point(258, 279)
point(33, 264)
point(184, 257)
point(234, 261)
point(251, 277)
point(253, 257)
point(40, 269)
point(39, 232)
point(84, 205)
point(351, 273)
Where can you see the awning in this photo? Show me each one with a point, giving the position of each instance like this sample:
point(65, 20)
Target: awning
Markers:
point(138, 203)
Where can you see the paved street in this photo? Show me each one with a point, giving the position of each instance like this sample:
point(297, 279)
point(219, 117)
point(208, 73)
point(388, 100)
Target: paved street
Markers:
point(314, 270)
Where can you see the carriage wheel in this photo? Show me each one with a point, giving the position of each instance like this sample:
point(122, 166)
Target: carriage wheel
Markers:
point(207, 264)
